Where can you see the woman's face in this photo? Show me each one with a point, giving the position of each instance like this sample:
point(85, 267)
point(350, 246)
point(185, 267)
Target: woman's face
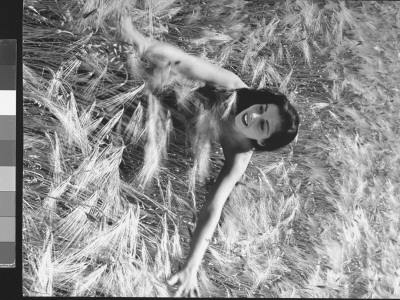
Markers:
point(258, 121)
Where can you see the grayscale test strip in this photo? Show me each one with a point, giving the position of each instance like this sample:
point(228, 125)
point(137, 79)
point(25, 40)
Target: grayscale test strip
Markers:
point(8, 53)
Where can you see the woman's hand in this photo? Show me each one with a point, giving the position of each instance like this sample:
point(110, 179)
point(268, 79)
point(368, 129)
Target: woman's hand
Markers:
point(187, 281)
point(160, 54)
point(129, 34)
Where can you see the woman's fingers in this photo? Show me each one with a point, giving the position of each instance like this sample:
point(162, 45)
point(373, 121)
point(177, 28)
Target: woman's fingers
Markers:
point(123, 27)
point(173, 280)
point(123, 14)
point(187, 287)
point(179, 292)
point(193, 292)
point(126, 10)
point(197, 292)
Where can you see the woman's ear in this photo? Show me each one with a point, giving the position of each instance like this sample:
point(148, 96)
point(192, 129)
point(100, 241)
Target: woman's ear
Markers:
point(261, 142)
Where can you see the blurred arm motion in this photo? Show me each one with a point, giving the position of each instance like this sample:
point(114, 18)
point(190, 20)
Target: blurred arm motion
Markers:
point(165, 55)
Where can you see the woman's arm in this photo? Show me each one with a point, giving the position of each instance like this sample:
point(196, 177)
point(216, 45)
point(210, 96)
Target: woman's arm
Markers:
point(211, 211)
point(163, 55)
point(234, 167)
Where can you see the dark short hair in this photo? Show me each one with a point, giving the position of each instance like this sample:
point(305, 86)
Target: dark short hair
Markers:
point(288, 128)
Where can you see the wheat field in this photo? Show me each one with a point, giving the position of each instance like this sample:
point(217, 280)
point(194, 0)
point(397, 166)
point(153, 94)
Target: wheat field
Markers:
point(112, 186)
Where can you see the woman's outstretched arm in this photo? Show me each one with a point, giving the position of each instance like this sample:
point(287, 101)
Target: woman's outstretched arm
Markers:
point(234, 167)
point(166, 55)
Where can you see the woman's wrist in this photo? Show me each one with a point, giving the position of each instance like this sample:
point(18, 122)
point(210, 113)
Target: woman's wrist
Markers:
point(163, 54)
point(191, 266)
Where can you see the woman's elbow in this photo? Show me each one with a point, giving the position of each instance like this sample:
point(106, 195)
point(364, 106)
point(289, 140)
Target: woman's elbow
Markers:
point(208, 212)
point(237, 83)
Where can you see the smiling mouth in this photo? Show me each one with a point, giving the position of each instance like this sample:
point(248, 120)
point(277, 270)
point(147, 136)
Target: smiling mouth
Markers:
point(245, 120)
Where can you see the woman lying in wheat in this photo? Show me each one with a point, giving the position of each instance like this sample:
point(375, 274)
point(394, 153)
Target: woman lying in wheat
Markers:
point(261, 121)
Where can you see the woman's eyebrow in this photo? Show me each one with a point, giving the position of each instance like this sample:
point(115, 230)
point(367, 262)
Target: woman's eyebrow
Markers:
point(266, 121)
point(263, 125)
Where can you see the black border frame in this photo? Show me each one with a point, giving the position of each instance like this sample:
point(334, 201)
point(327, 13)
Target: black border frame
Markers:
point(11, 28)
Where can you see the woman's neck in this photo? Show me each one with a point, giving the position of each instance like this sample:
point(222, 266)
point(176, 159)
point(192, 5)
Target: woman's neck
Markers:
point(228, 129)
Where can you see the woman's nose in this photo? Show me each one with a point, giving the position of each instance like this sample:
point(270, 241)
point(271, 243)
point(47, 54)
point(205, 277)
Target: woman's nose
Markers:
point(255, 116)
